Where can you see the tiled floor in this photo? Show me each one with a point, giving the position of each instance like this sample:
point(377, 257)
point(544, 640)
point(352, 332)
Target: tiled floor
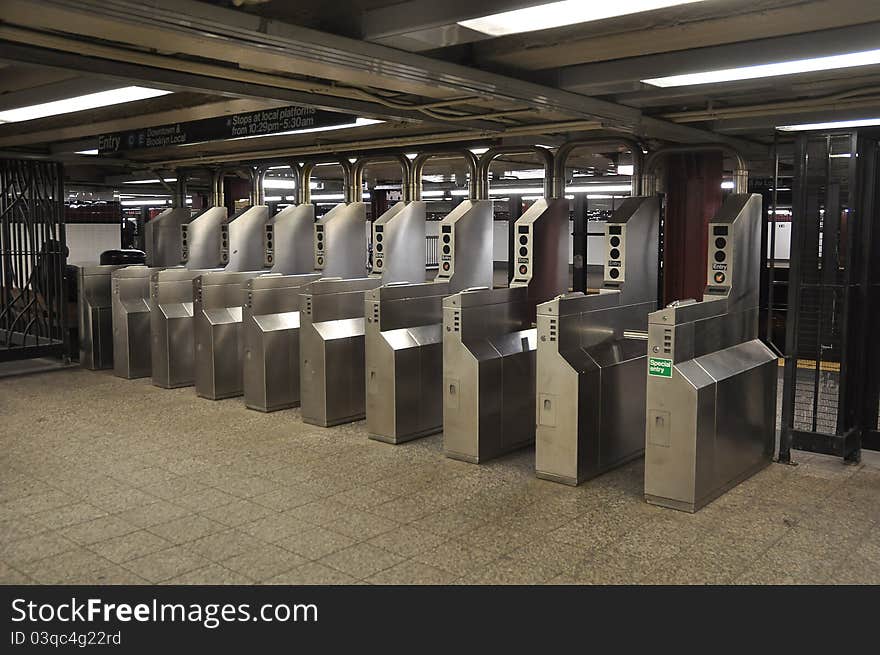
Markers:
point(105, 480)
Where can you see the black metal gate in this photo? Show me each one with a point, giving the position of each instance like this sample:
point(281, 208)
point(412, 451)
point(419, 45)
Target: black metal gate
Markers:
point(830, 393)
point(33, 256)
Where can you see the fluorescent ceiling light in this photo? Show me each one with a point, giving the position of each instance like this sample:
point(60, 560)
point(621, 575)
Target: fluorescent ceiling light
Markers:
point(526, 174)
point(599, 188)
point(433, 193)
point(866, 58)
point(334, 196)
point(80, 103)
point(479, 151)
point(167, 179)
point(727, 184)
point(625, 169)
point(862, 122)
point(557, 14)
point(93, 151)
point(841, 155)
point(287, 183)
point(459, 192)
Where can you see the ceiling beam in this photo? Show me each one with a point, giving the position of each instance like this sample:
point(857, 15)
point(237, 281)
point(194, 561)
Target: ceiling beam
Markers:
point(586, 77)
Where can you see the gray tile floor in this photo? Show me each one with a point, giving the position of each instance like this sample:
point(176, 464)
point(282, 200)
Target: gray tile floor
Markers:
point(104, 480)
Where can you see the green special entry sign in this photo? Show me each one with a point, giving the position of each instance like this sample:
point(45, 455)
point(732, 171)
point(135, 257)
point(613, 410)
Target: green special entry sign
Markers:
point(660, 367)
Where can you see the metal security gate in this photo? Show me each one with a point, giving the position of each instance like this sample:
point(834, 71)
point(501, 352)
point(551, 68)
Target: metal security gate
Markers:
point(32, 260)
point(830, 393)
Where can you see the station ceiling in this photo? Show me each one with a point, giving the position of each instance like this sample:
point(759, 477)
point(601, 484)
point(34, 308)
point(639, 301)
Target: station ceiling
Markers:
point(427, 78)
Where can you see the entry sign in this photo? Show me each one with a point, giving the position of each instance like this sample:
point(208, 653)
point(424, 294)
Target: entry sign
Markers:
point(233, 126)
point(660, 367)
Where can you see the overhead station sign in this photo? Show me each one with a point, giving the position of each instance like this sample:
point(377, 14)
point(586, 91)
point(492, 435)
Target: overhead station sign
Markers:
point(233, 126)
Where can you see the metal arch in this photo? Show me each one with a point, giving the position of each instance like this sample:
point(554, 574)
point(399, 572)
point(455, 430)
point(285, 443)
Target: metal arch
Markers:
point(492, 153)
point(305, 195)
point(218, 194)
point(740, 173)
point(357, 175)
point(418, 165)
point(565, 150)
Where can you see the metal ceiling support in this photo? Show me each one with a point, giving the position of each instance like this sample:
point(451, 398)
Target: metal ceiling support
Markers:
point(492, 153)
point(563, 152)
point(853, 38)
point(217, 199)
point(740, 172)
point(201, 30)
point(179, 197)
point(305, 194)
point(418, 165)
point(357, 175)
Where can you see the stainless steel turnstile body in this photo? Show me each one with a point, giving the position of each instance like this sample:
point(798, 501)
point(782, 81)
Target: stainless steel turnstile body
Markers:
point(488, 373)
point(711, 397)
point(163, 237)
point(541, 237)
point(171, 326)
point(591, 356)
point(289, 241)
point(404, 360)
point(130, 300)
point(242, 246)
point(466, 235)
point(332, 350)
point(340, 241)
point(217, 307)
point(399, 243)
point(95, 316)
point(270, 339)
point(200, 239)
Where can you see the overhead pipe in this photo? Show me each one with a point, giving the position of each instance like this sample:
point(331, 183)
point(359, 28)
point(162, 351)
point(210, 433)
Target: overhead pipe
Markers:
point(492, 153)
point(305, 194)
point(357, 175)
point(565, 150)
point(418, 165)
point(740, 173)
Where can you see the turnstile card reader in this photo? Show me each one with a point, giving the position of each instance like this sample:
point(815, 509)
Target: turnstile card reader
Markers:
point(131, 321)
point(488, 373)
point(340, 241)
point(404, 360)
point(541, 237)
point(288, 240)
point(200, 239)
point(217, 307)
point(332, 350)
point(171, 326)
point(270, 338)
point(711, 393)
point(95, 316)
point(466, 235)
point(399, 243)
point(242, 240)
point(163, 237)
point(591, 356)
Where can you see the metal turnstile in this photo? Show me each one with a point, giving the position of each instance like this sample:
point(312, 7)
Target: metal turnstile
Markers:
point(332, 350)
point(289, 240)
point(489, 343)
point(171, 326)
point(340, 241)
point(217, 310)
point(404, 360)
point(711, 399)
point(591, 356)
point(270, 337)
point(200, 239)
point(95, 316)
point(242, 246)
point(488, 373)
point(130, 289)
point(399, 243)
point(466, 235)
point(541, 241)
point(163, 237)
